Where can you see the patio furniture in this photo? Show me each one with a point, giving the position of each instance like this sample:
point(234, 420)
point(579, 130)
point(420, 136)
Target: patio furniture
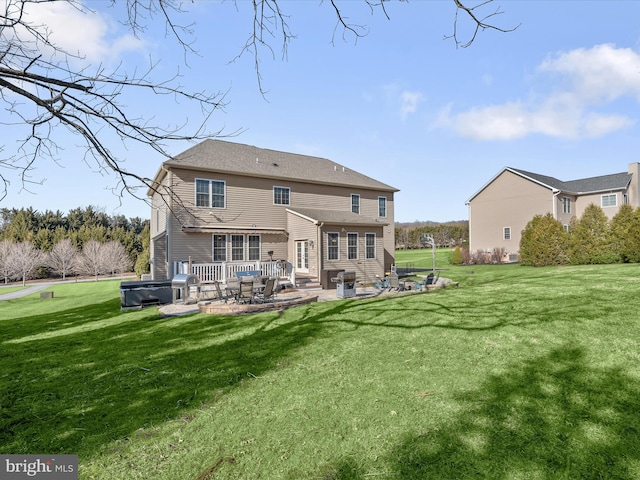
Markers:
point(245, 292)
point(269, 291)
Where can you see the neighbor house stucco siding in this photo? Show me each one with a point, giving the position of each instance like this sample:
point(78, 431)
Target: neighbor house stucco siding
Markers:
point(509, 201)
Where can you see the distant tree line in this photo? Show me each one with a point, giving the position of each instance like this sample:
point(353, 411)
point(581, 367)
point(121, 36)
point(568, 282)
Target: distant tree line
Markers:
point(86, 241)
point(447, 234)
point(591, 239)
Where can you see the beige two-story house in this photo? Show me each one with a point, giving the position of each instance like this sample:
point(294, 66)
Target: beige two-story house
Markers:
point(221, 207)
point(501, 209)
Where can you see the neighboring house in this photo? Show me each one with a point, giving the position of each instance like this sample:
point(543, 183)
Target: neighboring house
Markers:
point(222, 207)
point(501, 209)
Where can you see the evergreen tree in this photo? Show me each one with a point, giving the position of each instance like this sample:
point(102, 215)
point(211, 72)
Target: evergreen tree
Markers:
point(544, 242)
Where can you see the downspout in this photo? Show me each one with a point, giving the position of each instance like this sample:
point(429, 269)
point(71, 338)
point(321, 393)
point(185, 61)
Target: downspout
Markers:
point(554, 199)
point(319, 249)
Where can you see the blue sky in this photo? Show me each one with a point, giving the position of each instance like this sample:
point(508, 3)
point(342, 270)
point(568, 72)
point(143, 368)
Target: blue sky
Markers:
point(558, 96)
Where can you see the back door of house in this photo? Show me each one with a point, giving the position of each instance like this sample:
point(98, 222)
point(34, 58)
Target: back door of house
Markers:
point(302, 256)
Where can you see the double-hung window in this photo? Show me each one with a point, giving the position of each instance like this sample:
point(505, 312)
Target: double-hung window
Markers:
point(254, 247)
point(352, 246)
point(370, 245)
point(333, 246)
point(382, 206)
point(610, 200)
point(220, 248)
point(566, 205)
point(355, 203)
point(210, 193)
point(281, 195)
point(506, 233)
point(237, 248)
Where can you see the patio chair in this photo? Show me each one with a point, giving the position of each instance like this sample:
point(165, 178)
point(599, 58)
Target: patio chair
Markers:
point(221, 296)
point(394, 282)
point(245, 294)
point(269, 291)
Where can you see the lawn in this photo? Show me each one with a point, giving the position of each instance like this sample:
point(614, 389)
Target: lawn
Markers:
point(517, 373)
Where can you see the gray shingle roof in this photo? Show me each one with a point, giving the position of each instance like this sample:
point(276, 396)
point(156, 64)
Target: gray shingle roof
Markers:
point(221, 156)
point(615, 181)
point(337, 217)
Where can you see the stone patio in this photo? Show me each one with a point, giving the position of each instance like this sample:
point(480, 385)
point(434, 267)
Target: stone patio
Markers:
point(285, 299)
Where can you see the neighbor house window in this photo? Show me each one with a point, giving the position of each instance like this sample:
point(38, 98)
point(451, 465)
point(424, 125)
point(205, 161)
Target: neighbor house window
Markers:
point(254, 247)
point(210, 193)
point(219, 248)
point(507, 233)
point(355, 203)
point(333, 246)
point(237, 247)
point(625, 199)
point(566, 205)
point(609, 200)
point(370, 245)
point(382, 206)
point(281, 195)
point(566, 228)
point(352, 246)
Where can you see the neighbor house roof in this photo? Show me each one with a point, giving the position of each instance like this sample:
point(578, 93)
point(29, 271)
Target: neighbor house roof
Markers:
point(615, 181)
point(236, 158)
point(603, 183)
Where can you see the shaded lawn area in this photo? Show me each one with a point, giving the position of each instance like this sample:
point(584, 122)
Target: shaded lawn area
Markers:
point(519, 373)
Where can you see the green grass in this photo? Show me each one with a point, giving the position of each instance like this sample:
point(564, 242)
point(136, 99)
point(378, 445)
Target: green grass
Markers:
point(518, 373)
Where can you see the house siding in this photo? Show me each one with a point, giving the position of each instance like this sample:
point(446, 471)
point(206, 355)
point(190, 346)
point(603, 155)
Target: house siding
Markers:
point(250, 175)
point(249, 203)
point(585, 200)
point(509, 201)
point(366, 269)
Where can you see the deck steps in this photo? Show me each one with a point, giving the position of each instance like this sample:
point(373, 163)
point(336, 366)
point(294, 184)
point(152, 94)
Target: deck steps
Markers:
point(303, 283)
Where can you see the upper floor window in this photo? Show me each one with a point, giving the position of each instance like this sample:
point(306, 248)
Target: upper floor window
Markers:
point(566, 205)
point(506, 232)
point(333, 246)
point(281, 195)
point(352, 246)
point(382, 206)
point(355, 203)
point(370, 245)
point(210, 193)
point(610, 200)
point(625, 199)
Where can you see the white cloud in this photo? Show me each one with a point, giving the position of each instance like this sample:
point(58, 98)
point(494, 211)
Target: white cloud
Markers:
point(409, 103)
point(81, 31)
point(588, 78)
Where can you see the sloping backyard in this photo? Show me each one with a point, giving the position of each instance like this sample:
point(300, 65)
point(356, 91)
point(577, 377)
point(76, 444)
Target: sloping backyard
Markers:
point(518, 373)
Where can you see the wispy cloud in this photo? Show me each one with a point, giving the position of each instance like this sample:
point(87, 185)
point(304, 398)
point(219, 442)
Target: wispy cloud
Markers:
point(409, 103)
point(587, 79)
point(87, 34)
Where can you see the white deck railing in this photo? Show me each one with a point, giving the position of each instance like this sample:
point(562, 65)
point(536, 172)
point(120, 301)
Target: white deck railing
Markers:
point(219, 272)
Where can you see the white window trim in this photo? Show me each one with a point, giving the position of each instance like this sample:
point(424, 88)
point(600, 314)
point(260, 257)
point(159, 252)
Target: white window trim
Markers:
point(504, 233)
point(210, 193)
point(249, 259)
point(274, 195)
point(357, 245)
point(566, 205)
point(375, 245)
point(353, 196)
point(386, 206)
point(615, 197)
point(244, 247)
point(226, 247)
point(329, 246)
